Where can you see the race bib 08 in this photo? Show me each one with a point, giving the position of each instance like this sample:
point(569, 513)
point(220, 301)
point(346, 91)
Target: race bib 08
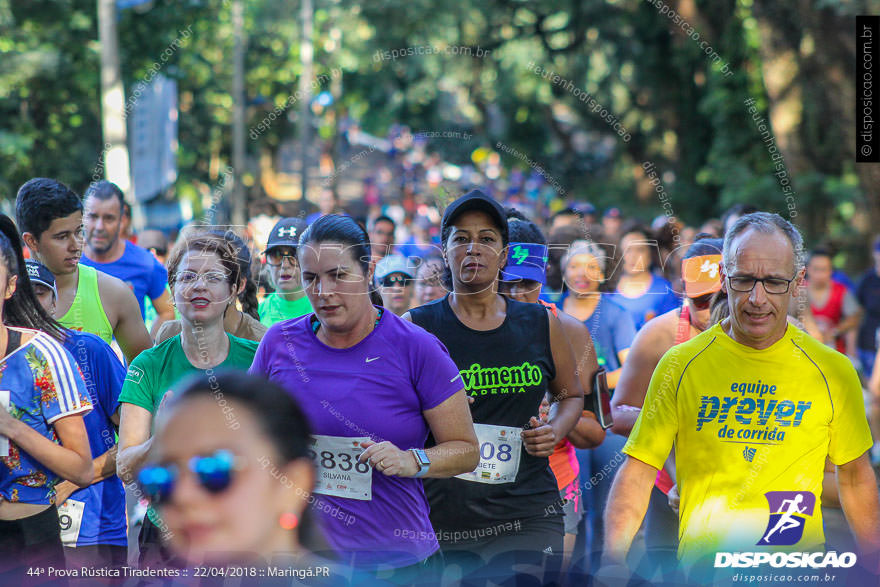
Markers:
point(70, 516)
point(339, 473)
point(499, 454)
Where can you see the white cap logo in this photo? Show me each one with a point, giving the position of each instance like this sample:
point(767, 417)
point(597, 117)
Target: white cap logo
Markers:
point(710, 268)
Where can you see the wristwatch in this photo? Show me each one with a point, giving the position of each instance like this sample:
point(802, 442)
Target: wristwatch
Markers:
point(422, 460)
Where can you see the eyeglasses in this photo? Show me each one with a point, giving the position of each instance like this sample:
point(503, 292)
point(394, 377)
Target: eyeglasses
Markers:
point(208, 278)
point(276, 258)
point(214, 472)
point(772, 285)
point(395, 281)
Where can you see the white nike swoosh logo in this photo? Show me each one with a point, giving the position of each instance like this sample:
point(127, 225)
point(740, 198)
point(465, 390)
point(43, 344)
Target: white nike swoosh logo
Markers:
point(454, 378)
point(368, 360)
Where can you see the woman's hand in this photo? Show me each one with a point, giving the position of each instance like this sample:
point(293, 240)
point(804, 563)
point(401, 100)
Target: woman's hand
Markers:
point(540, 439)
point(388, 459)
point(7, 423)
point(673, 498)
point(63, 490)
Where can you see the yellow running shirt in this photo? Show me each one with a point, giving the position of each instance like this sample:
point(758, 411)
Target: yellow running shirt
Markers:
point(746, 423)
point(86, 314)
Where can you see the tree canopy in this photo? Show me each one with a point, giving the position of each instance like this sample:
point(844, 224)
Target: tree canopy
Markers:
point(548, 78)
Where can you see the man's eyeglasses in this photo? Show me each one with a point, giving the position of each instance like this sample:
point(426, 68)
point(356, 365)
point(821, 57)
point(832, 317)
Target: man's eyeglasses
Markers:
point(395, 281)
point(215, 474)
point(277, 257)
point(772, 285)
point(208, 278)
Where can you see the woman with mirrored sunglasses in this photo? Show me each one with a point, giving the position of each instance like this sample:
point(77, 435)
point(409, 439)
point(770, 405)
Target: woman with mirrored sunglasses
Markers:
point(233, 479)
point(203, 273)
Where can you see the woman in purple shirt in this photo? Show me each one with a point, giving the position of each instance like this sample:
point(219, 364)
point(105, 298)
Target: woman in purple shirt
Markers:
point(372, 386)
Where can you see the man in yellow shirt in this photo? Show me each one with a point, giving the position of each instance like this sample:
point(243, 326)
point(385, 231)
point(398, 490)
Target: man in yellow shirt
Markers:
point(752, 406)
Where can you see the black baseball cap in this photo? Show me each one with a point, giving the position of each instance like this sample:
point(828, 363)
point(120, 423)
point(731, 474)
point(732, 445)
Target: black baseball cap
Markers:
point(476, 200)
point(286, 233)
point(39, 274)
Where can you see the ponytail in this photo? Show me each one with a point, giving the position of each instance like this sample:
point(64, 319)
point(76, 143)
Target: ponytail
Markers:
point(248, 299)
point(22, 309)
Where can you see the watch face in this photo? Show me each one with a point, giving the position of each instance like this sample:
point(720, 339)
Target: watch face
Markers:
point(422, 457)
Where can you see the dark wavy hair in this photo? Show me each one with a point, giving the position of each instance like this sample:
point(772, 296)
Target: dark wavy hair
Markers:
point(40, 201)
point(248, 295)
point(22, 309)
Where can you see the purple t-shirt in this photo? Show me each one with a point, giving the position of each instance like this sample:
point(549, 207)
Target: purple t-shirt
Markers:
point(378, 388)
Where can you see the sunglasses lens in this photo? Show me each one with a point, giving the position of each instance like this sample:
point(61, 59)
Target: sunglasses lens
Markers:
point(215, 471)
point(157, 482)
point(702, 302)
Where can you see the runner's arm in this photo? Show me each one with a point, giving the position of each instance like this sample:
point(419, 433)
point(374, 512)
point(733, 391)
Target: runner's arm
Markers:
point(164, 311)
point(848, 324)
point(830, 497)
point(128, 325)
point(626, 508)
point(134, 440)
point(451, 425)
point(69, 460)
point(103, 467)
point(857, 487)
point(566, 391)
point(587, 433)
point(632, 386)
point(455, 452)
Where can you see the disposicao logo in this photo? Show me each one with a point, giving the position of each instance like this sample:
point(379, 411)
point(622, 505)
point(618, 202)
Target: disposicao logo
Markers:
point(789, 511)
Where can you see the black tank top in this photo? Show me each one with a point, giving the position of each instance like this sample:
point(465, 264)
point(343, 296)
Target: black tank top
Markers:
point(506, 371)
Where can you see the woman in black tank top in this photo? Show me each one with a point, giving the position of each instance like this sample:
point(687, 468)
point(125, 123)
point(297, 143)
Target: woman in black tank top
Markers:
point(509, 354)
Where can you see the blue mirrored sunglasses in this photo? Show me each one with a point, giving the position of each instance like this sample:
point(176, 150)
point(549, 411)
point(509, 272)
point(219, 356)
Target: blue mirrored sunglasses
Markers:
point(214, 472)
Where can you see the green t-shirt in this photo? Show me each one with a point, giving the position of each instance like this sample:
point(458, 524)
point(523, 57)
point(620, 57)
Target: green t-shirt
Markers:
point(156, 370)
point(275, 309)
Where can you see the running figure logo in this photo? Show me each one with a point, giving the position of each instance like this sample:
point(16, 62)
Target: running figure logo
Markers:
point(788, 516)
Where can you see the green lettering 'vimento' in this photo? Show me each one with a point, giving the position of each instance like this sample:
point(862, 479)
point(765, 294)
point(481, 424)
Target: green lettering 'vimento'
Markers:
point(478, 378)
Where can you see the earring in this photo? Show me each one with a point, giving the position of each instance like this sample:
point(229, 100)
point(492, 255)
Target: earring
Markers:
point(288, 520)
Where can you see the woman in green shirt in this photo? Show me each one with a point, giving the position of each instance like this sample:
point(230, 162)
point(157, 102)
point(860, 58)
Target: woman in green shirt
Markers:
point(202, 273)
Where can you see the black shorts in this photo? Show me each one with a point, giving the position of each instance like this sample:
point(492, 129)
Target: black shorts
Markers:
point(533, 545)
point(32, 542)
